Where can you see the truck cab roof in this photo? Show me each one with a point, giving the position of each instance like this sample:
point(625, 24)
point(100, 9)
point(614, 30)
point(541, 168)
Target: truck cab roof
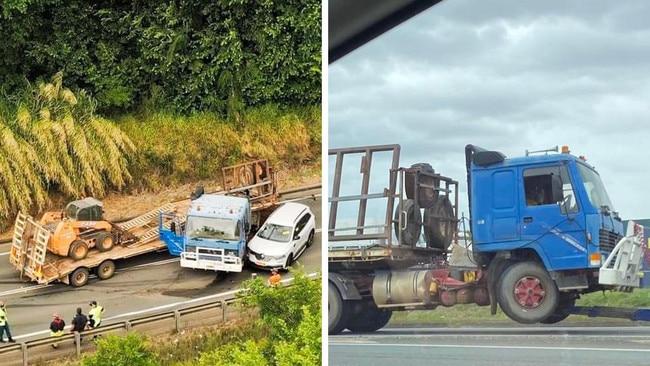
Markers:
point(492, 159)
point(218, 205)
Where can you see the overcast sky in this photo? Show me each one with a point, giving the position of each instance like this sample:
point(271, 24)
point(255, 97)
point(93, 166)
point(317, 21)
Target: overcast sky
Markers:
point(506, 75)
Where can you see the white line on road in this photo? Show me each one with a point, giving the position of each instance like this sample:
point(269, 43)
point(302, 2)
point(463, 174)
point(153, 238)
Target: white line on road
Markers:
point(355, 344)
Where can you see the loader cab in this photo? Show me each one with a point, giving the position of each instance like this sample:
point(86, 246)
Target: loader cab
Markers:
point(553, 206)
point(87, 209)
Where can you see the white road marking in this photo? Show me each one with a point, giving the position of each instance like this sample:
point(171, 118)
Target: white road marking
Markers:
point(355, 344)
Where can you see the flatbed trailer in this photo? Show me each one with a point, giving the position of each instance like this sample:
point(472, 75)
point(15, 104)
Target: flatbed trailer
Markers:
point(30, 257)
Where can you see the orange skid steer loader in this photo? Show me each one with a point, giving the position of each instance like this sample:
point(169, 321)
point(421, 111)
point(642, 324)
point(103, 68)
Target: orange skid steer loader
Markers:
point(82, 227)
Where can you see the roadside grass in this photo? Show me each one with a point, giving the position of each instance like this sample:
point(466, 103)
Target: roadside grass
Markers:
point(470, 314)
point(179, 149)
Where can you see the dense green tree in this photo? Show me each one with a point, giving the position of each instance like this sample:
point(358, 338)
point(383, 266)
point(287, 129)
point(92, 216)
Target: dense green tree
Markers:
point(184, 56)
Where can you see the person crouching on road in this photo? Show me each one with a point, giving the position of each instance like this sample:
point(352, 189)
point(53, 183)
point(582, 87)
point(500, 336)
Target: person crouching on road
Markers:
point(4, 324)
point(57, 327)
point(275, 277)
point(79, 323)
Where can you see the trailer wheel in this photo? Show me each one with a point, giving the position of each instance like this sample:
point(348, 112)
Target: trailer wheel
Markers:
point(370, 319)
point(526, 293)
point(567, 301)
point(337, 310)
point(79, 277)
point(105, 241)
point(106, 269)
point(78, 250)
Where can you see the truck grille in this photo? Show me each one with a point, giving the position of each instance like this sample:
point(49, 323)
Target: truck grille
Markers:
point(608, 240)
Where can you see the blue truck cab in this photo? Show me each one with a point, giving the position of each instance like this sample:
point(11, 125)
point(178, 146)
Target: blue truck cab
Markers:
point(554, 205)
point(212, 235)
point(545, 231)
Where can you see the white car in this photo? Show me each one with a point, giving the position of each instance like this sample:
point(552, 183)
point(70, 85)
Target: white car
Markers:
point(283, 238)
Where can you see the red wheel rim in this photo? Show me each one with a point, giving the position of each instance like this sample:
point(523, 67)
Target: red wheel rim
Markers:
point(529, 292)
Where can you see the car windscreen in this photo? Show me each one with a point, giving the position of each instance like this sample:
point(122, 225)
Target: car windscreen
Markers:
point(275, 233)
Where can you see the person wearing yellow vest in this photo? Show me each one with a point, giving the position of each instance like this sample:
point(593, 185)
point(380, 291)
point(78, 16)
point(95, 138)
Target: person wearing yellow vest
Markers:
point(4, 324)
point(95, 314)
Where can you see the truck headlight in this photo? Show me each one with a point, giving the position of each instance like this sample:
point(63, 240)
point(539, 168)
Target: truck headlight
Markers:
point(232, 253)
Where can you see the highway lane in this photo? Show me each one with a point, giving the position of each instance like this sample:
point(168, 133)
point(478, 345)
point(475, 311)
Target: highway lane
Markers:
point(516, 346)
point(139, 283)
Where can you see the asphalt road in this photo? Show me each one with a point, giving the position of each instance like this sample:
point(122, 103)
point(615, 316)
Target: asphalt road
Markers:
point(139, 284)
point(517, 346)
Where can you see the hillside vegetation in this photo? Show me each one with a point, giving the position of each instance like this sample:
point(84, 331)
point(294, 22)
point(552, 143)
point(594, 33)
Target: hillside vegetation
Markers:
point(98, 97)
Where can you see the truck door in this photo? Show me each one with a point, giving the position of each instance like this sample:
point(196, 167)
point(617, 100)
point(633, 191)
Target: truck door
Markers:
point(552, 221)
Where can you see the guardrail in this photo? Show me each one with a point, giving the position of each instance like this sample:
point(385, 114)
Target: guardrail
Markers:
point(214, 310)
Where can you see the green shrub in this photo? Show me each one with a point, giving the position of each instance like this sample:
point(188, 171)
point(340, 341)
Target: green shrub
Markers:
point(113, 350)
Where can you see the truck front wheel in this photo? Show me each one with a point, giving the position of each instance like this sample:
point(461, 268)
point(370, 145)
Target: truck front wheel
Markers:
point(563, 310)
point(526, 293)
point(338, 313)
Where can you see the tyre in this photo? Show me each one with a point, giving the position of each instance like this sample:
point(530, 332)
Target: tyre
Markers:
point(526, 293)
point(78, 250)
point(105, 241)
point(567, 301)
point(310, 240)
point(337, 311)
point(79, 277)
point(439, 224)
point(289, 262)
point(106, 269)
point(370, 319)
point(411, 233)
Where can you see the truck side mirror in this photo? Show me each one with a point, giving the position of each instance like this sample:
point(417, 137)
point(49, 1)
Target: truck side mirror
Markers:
point(556, 186)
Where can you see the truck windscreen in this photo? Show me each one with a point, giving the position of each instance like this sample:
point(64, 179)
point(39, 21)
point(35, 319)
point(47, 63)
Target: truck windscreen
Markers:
point(594, 188)
point(213, 228)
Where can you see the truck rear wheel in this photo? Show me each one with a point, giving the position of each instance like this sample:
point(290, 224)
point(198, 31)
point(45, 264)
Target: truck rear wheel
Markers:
point(526, 293)
point(105, 241)
point(106, 269)
point(78, 250)
point(79, 277)
point(337, 310)
point(370, 319)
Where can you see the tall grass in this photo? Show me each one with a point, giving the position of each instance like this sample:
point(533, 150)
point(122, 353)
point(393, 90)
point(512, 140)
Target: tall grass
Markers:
point(178, 149)
point(52, 140)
